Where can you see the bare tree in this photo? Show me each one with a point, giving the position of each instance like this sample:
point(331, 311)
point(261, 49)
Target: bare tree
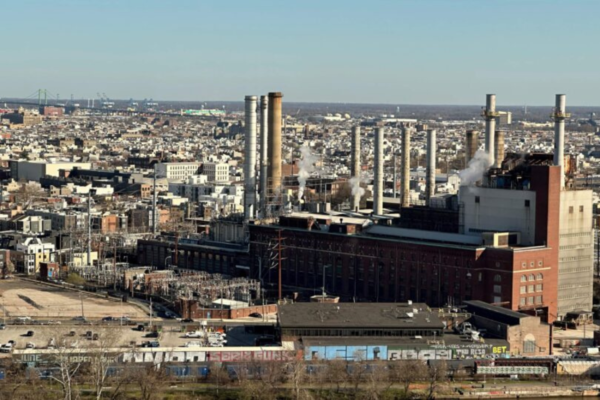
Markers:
point(67, 362)
point(150, 380)
point(436, 374)
point(100, 360)
point(337, 373)
point(377, 381)
point(406, 372)
point(296, 373)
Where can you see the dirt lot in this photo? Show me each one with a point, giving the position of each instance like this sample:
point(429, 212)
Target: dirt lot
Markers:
point(23, 298)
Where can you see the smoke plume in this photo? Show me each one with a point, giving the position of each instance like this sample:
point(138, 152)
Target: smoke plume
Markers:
point(357, 190)
point(306, 167)
point(478, 165)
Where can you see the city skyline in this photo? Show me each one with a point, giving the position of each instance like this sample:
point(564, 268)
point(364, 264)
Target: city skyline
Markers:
point(433, 52)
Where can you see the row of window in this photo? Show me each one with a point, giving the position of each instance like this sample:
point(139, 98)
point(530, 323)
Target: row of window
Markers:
point(531, 278)
point(529, 301)
point(531, 288)
point(540, 263)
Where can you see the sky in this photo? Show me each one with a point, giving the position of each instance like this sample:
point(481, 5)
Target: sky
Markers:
point(343, 51)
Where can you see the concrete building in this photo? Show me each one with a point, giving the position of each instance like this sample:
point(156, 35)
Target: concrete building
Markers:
point(177, 171)
point(35, 170)
point(216, 172)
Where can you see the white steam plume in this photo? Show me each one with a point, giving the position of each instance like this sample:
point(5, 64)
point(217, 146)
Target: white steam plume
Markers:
point(357, 190)
point(306, 167)
point(477, 167)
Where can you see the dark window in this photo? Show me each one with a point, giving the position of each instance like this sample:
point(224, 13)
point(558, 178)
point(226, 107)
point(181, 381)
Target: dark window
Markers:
point(476, 199)
point(580, 209)
point(526, 203)
point(571, 210)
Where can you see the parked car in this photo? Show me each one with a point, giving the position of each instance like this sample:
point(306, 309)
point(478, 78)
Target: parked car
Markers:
point(30, 333)
point(30, 345)
point(194, 335)
point(255, 315)
point(151, 344)
point(2, 326)
point(108, 319)
point(95, 336)
point(187, 320)
point(152, 334)
point(24, 319)
point(141, 328)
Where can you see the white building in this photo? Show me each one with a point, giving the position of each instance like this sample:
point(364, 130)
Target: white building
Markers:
point(216, 172)
point(38, 252)
point(35, 170)
point(177, 171)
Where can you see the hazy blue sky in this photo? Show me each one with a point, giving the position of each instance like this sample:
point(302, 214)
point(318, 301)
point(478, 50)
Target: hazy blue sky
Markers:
point(370, 51)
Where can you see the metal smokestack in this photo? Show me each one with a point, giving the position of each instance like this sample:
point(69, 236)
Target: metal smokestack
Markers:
point(559, 116)
point(378, 182)
point(472, 145)
point(250, 158)
point(405, 168)
point(355, 163)
point(263, 153)
point(431, 155)
point(274, 143)
point(499, 148)
point(490, 115)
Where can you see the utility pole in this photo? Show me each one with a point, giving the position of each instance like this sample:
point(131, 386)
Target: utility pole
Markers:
point(279, 263)
point(115, 266)
point(81, 299)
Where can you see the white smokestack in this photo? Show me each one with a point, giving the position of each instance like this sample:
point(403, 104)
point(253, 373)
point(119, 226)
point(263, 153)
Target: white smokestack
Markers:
point(431, 156)
point(355, 169)
point(490, 125)
point(263, 152)
point(405, 167)
point(378, 181)
point(559, 135)
point(250, 158)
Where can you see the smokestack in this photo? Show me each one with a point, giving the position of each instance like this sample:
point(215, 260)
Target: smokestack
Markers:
point(263, 153)
point(274, 143)
point(378, 183)
point(472, 145)
point(431, 155)
point(559, 116)
point(355, 164)
point(490, 115)
point(250, 158)
point(405, 168)
point(499, 148)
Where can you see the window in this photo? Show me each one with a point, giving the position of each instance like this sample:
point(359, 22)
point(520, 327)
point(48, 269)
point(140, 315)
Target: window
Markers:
point(530, 289)
point(530, 301)
point(540, 263)
point(538, 299)
point(526, 203)
point(571, 210)
point(477, 199)
point(497, 299)
point(497, 289)
point(497, 278)
point(523, 264)
point(538, 287)
point(523, 289)
point(532, 264)
point(522, 301)
point(539, 277)
point(523, 278)
point(580, 209)
point(529, 346)
point(531, 278)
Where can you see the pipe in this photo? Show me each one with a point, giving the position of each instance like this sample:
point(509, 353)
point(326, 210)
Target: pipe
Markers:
point(250, 158)
point(431, 158)
point(499, 148)
point(405, 167)
point(472, 145)
point(355, 164)
point(559, 135)
point(378, 181)
point(490, 126)
point(263, 153)
point(274, 143)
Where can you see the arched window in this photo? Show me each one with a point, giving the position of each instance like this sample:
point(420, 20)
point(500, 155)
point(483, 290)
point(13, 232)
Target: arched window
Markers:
point(540, 277)
point(523, 278)
point(531, 277)
point(497, 278)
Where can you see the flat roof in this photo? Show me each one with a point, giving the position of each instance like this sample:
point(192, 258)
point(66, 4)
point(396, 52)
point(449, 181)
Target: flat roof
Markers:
point(496, 313)
point(358, 315)
point(449, 339)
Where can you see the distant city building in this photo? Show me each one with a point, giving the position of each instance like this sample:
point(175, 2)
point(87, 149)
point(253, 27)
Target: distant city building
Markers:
point(176, 170)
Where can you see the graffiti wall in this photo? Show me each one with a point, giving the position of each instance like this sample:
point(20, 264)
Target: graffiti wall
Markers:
point(446, 351)
point(349, 353)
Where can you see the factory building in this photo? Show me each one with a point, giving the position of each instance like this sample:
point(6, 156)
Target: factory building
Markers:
point(176, 170)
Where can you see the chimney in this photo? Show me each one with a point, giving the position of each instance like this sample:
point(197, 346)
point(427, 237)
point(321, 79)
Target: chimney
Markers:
point(405, 161)
point(355, 164)
point(274, 143)
point(472, 145)
point(263, 153)
point(490, 115)
point(499, 148)
point(559, 116)
point(250, 158)
point(378, 183)
point(431, 158)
